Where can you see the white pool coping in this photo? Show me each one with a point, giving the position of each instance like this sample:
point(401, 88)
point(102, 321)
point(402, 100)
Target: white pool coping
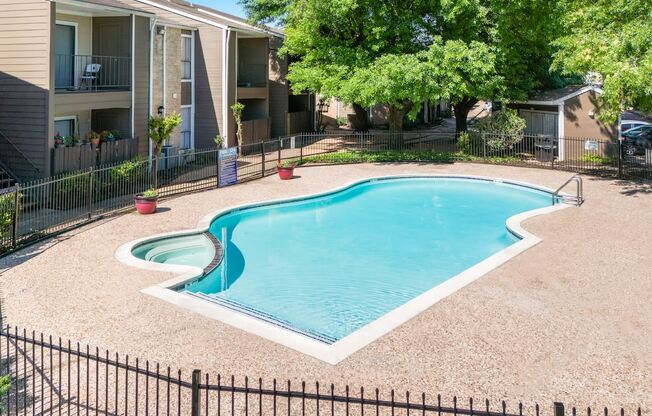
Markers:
point(341, 349)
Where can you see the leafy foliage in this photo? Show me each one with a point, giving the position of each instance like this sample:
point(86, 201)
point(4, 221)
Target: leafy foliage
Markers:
point(503, 129)
point(219, 141)
point(506, 121)
point(612, 38)
point(7, 206)
point(367, 52)
point(5, 386)
point(160, 130)
point(238, 109)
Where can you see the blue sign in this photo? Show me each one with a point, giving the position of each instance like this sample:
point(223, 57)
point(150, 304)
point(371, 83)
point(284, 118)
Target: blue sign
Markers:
point(227, 166)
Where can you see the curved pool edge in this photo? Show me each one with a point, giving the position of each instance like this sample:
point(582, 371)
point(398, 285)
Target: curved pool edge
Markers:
point(341, 349)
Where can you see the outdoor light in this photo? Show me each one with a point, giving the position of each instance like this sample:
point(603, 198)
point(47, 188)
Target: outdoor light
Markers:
point(591, 114)
point(159, 110)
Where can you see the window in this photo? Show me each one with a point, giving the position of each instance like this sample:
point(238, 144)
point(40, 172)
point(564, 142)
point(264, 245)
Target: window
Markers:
point(186, 127)
point(186, 57)
point(64, 126)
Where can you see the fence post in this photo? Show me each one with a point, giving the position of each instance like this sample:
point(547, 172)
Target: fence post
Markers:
point(300, 148)
point(196, 378)
point(280, 143)
point(558, 409)
point(262, 155)
point(15, 226)
point(552, 153)
point(620, 159)
point(90, 192)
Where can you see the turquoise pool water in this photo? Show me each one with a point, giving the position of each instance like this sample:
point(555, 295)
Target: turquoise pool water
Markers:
point(190, 250)
point(329, 265)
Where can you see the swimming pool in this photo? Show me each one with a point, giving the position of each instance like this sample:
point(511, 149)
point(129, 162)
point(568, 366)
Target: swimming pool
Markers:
point(361, 260)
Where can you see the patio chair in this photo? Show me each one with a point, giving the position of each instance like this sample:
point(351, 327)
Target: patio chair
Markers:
point(89, 77)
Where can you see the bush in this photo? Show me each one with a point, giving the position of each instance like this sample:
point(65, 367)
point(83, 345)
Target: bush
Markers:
point(342, 121)
point(464, 142)
point(7, 206)
point(502, 130)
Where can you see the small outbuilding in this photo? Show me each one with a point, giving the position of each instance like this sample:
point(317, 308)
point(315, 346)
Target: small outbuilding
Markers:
point(564, 113)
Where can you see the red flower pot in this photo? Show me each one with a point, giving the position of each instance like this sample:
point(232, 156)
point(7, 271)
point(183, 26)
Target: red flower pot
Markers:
point(286, 173)
point(145, 205)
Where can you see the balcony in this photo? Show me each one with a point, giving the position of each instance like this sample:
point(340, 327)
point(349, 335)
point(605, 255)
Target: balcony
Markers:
point(92, 73)
point(252, 81)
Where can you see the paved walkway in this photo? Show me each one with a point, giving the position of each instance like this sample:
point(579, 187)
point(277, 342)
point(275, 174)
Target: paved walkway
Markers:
point(568, 320)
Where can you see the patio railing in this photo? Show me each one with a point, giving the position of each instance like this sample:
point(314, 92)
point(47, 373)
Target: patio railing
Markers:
point(33, 210)
point(51, 376)
point(86, 73)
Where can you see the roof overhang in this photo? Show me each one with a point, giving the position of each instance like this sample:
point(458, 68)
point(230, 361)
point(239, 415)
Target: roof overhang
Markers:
point(563, 99)
point(99, 7)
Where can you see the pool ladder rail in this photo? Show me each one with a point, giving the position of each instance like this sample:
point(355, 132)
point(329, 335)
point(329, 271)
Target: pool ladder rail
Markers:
point(577, 199)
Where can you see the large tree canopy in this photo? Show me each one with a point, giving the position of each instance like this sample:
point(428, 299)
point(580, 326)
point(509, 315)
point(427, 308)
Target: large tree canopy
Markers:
point(613, 39)
point(401, 52)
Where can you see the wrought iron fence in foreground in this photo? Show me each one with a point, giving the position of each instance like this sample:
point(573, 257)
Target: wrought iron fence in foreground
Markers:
point(50, 376)
point(33, 210)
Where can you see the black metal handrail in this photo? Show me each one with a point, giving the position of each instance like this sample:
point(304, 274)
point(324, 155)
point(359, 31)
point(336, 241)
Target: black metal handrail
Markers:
point(92, 72)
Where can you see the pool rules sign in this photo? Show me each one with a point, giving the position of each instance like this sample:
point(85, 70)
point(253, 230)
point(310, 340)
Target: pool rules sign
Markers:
point(227, 166)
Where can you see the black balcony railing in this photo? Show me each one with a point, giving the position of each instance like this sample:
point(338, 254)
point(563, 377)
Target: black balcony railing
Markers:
point(92, 73)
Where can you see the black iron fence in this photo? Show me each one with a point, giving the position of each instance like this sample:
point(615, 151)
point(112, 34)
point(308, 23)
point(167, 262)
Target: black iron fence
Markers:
point(33, 210)
point(51, 376)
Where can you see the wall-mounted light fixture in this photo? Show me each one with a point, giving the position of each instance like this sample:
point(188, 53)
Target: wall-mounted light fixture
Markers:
point(591, 113)
point(160, 30)
point(160, 109)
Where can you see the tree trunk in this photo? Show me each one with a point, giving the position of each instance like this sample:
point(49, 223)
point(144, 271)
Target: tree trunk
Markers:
point(461, 111)
point(361, 118)
point(395, 118)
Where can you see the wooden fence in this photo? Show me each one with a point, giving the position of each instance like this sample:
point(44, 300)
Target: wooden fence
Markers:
point(66, 159)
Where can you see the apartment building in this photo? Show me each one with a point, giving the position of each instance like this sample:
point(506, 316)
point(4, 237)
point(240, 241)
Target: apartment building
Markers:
point(72, 67)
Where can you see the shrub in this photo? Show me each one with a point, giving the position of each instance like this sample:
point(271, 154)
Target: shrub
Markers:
point(342, 121)
point(7, 206)
point(219, 141)
point(464, 142)
point(502, 130)
point(130, 170)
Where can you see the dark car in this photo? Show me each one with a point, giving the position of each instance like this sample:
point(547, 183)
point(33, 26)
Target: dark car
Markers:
point(636, 140)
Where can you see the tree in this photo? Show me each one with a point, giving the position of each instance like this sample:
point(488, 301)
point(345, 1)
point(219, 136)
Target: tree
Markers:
point(368, 51)
point(160, 129)
point(237, 109)
point(611, 38)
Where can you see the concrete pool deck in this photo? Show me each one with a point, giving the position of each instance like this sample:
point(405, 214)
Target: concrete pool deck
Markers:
point(568, 320)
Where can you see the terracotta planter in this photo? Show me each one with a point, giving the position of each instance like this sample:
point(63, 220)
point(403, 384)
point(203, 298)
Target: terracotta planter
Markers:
point(286, 173)
point(145, 205)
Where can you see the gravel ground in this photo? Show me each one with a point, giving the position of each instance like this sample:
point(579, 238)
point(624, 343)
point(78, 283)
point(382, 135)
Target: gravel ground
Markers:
point(569, 320)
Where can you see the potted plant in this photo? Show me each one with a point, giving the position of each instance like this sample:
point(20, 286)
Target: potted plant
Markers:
point(58, 140)
point(286, 169)
point(95, 139)
point(146, 202)
point(160, 129)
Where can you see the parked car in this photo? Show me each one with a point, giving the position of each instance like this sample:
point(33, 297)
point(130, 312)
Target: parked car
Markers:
point(626, 125)
point(637, 139)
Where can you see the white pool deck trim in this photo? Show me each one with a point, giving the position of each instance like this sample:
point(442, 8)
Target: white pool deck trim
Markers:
point(341, 349)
